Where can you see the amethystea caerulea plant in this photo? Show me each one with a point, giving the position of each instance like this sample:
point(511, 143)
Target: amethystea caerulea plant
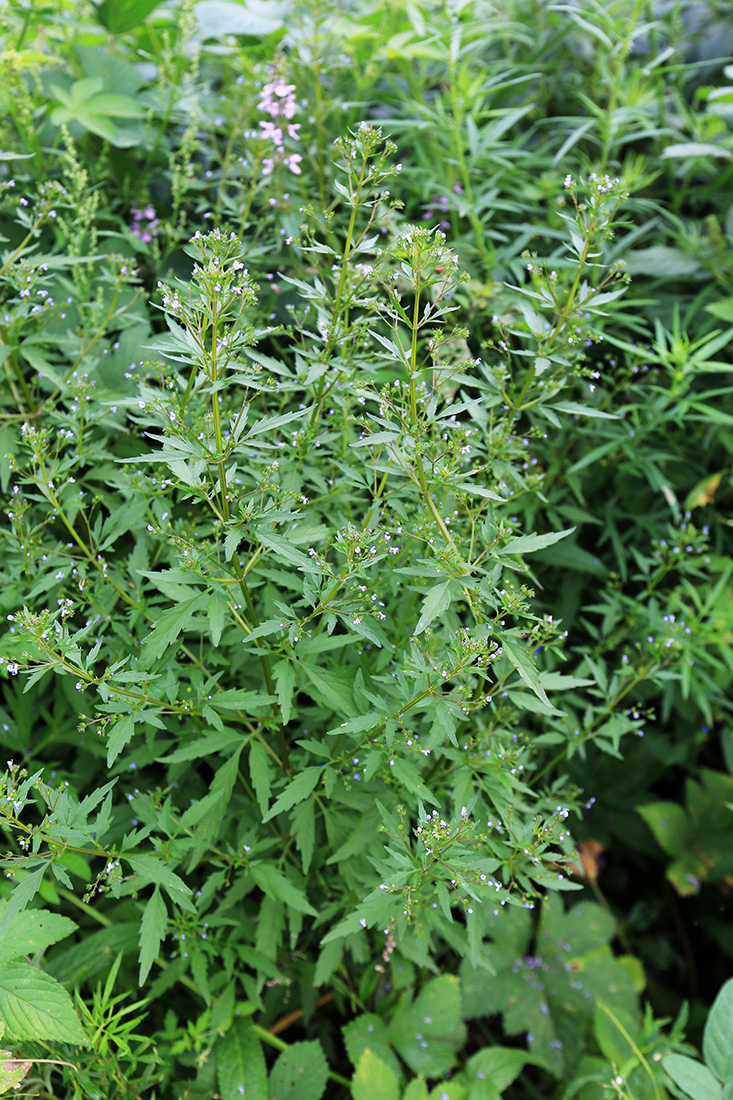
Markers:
point(343, 553)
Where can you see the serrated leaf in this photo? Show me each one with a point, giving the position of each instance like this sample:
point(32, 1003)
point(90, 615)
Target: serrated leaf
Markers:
point(168, 627)
point(154, 870)
point(438, 600)
point(260, 770)
point(240, 1063)
point(296, 791)
point(274, 883)
point(303, 820)
point(23, 892)
point(283, 673)
point(373, 1079)
point(527, 544)
point(32, 931)
point(120, 734)
point(152, 932)
point(33, 1005)
point(522, 662)
point(300, 1073)
point(217, 615)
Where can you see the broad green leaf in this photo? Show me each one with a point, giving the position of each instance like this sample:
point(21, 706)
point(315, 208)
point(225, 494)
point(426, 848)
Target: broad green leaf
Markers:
point(717, 1042)
point(219, 18)
point(240, 1063)
point(669, 824)
point(121, 16)
point(369, 1032)
point(373, 1079)
point(152, 932)
point(496, 1068)
point(34, 1006)
point(692, 1077)
point(300, 1073)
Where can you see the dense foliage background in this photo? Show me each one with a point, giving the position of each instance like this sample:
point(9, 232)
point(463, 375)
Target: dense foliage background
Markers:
point(366, 574)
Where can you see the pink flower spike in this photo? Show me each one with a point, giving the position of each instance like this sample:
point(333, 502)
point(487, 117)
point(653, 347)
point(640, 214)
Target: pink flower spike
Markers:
point(271, 132)
point(293, 163)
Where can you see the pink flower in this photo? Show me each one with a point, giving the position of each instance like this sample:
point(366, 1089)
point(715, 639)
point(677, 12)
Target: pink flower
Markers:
point(293, 163)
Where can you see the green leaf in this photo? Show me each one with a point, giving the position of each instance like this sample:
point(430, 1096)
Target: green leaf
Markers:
point(121, 16)
point(497, 1068)
point(218, 18)
point(274, 883)
point(217, 615)
point(300, 1073)
point(12, 1071)
point(574, 408)
point(168, 627)
point(696, 149)
point(303, 819)
point(670, 825)
point(260, 770)
point(240, 1063)
point(717, 1042)
point(154, 870)
point(373, 1079)
point(32, 931)
point(33, 1005)
point(522, 662)
point(436, 602)
point(296, 791)
point(527, 544)
point(120, 734)
point(152, 932)
point(331, 688)
point(283, 673)
point(692, 1077)
point(23, 892)
point(369, 1032)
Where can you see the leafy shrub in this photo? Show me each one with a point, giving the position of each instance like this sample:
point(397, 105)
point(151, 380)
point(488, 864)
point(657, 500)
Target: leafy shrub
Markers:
point(352, 546)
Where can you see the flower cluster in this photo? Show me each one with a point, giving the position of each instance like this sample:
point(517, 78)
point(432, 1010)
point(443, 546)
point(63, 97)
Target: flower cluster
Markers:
point(144, 223)
point(278, 101)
